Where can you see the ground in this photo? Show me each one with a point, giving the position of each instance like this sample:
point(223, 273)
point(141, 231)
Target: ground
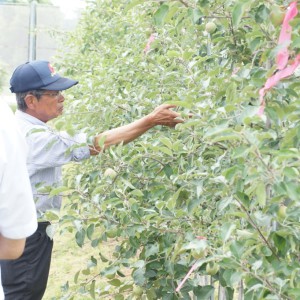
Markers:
point(67, 259)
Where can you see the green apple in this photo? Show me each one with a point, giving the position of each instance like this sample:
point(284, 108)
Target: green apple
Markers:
point(110, 276)
point(109, 172)
point(137, 291)
point(276, 15)
point(212, 268)
point(197, 254)
point(112, 232)
point(282, 211)
point(210, 27)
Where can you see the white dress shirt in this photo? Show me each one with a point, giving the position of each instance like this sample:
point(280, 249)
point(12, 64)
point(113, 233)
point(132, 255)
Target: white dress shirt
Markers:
point(18, 217)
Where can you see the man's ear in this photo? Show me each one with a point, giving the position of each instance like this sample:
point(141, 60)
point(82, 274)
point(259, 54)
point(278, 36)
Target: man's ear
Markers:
point(30, 101)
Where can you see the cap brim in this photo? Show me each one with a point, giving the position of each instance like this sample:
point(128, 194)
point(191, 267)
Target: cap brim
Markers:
point(60, 85)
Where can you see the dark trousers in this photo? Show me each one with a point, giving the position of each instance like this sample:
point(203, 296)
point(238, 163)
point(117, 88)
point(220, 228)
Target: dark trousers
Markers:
point(26, 277)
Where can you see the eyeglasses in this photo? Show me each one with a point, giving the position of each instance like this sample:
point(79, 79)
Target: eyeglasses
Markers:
point(55, 94)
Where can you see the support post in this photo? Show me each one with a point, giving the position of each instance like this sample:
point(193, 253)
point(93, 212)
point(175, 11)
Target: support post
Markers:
point(32, 32)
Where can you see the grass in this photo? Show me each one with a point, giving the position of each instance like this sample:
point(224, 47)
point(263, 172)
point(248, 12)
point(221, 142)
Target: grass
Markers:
point(67, 259)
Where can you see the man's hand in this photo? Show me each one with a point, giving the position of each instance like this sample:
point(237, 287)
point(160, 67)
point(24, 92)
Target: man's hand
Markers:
point(163, 115)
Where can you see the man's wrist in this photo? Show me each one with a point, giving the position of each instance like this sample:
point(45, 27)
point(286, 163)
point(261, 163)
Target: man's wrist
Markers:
point(149, 121)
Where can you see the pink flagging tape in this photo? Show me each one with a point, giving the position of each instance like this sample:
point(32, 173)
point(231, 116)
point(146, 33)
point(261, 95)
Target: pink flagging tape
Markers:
point(285, 36)
point(283, 70)
point(149, 42)
point(194, 266)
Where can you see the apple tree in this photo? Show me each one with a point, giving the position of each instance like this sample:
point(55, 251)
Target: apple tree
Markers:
point(220, 192)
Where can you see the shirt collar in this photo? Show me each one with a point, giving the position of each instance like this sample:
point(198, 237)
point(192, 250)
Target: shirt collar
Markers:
point(22, 115)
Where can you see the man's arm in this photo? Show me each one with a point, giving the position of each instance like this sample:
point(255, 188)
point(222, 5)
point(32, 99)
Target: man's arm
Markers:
point(11, 249)
point(162, 115)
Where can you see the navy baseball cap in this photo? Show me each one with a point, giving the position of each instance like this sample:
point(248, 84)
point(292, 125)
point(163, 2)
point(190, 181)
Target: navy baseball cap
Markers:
point(38, 75)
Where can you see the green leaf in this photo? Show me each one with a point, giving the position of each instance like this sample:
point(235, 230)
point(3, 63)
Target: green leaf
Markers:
point(237, 13)
point(293, 190)
point(291, 172)
point(51, 216)
point(231, 173)
point(59, 190)
point(151, 294)
point(196, 15)
point(111, 270)
point(243, 198)
point(139, 264)
point(227, 135)
point(229, 292)
point(262, 14)
point(195, 245)
point(294, 292)
point(237, 249)
point(217, 130)
point(95, 243)
point(51, 230)
point(166, 151)
point(231, 92)
point(204, 292)
point(226, 231)
point(151, 250)
point(92, 289)
point(115, 282)
point(139, 277)
point(92, 262)
point(167, 142)
point(241, 151)
point(103, 258)
point(168, 170)
point(76, 276)
point(261, 194)
point(235, 278)
point(224, 203)
point(90, 231)
point(80, 237)
point(160, 14)
point(171, 203)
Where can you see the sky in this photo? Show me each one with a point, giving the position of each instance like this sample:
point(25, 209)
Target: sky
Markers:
point(70, 7)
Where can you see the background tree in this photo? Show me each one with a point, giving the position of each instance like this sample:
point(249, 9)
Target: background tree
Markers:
point(226, 174)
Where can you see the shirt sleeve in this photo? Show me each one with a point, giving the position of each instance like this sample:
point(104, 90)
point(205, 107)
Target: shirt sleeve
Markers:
point(50, 149)
point(17, 210)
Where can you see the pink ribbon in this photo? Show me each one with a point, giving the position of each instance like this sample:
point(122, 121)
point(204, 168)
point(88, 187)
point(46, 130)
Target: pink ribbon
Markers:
point(194, 266)
point(282, 57)
point(285, 36)
point(150, 41)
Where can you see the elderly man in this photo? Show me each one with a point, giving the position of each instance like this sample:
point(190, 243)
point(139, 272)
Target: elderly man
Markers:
point(38, 91)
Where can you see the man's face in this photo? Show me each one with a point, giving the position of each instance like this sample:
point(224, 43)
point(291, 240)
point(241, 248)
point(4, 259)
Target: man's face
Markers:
point(49, 106)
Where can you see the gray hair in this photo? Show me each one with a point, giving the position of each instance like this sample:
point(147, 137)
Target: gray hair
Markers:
point(20, 97)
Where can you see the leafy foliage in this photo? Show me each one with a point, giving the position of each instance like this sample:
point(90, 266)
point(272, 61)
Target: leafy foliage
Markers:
point(224, 174)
